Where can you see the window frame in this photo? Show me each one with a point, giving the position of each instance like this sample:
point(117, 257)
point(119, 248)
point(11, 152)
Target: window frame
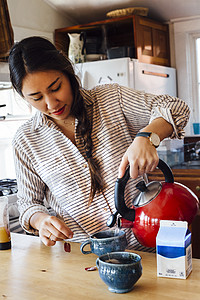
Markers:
point(184, 32)
point(194, 78)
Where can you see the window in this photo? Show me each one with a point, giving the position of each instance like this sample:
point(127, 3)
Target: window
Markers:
point(16, 112)
point(15, 106)
point(186, 33)
point(193, 75)
point(198, 74)
point(194, 72)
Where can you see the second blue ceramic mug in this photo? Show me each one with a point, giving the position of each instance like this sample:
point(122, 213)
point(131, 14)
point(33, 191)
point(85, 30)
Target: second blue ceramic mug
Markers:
point(107, 241)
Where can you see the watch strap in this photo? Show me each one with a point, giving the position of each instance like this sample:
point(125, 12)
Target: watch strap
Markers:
point(144, 134)
point(149, 135)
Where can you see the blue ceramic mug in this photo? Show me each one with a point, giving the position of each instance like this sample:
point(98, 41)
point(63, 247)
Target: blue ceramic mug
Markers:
point(105, 242)
point(119, 270)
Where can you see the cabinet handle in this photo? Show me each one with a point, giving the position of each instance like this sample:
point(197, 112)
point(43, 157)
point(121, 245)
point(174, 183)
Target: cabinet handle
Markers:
point(197, 188)
point(155, 74)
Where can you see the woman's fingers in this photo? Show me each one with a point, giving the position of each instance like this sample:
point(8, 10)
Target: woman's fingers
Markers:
point(142, 158)
point(60, 229)
point(123, 165)
point(53, 229)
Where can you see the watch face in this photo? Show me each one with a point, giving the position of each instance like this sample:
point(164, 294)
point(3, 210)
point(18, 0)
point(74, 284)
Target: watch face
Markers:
point(154, 138)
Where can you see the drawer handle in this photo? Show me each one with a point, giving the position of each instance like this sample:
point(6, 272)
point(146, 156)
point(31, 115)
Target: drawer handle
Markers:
point(155, 74)
point(197, 188)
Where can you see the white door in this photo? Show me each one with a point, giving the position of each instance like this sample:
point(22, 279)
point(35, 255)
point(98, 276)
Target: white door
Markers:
point(95, 73)
point(155, 79)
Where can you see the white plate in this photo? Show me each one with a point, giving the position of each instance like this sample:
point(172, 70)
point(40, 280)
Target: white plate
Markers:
point(93, 57)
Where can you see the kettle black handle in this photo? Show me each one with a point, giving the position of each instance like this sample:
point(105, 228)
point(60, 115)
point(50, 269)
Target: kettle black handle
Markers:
point(129, 213)
point(167, 172)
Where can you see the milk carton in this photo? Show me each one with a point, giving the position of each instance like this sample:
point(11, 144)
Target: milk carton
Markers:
point(174, 250)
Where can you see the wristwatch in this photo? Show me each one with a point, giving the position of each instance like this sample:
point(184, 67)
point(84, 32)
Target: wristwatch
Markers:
point(153, 137)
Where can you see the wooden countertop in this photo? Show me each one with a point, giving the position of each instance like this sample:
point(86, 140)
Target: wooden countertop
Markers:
point(31, 271)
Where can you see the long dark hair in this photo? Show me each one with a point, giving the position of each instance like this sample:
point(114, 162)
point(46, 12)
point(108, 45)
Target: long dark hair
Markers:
point(35, 54)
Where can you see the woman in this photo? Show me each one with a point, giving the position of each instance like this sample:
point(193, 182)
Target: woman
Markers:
point(71, 152)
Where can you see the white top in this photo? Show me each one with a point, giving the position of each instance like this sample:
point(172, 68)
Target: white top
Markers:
point(49, 165)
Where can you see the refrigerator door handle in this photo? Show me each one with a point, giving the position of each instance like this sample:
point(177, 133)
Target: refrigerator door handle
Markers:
point(155, 74)
point(107, 79)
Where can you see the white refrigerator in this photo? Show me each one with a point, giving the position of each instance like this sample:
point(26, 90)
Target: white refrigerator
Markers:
point(128, 72)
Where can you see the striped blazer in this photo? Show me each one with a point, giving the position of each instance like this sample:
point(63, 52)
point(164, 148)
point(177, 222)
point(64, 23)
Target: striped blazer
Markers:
point(51, 170)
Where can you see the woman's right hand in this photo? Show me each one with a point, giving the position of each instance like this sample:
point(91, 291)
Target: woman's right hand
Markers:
point(51, 229)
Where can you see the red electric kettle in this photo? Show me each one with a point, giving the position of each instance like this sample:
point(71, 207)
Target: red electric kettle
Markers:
point(167, 200)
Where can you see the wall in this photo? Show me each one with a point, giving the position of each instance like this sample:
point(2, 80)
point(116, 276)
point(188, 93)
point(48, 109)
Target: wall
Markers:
point(35, 17)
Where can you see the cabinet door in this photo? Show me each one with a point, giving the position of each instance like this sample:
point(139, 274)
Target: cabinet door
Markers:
point(160, 44)
point(152, 41)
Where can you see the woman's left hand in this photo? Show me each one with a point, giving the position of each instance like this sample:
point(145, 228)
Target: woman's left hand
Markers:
point(141, 156)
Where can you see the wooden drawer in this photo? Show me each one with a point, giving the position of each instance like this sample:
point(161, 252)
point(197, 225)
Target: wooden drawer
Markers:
point(193, 184)
point(188, 177)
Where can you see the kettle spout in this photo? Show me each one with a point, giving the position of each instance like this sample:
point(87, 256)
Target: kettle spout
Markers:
point(123, 223)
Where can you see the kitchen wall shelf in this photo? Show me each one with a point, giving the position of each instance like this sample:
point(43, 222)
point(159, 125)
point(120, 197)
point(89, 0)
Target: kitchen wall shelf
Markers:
point(148, 38)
